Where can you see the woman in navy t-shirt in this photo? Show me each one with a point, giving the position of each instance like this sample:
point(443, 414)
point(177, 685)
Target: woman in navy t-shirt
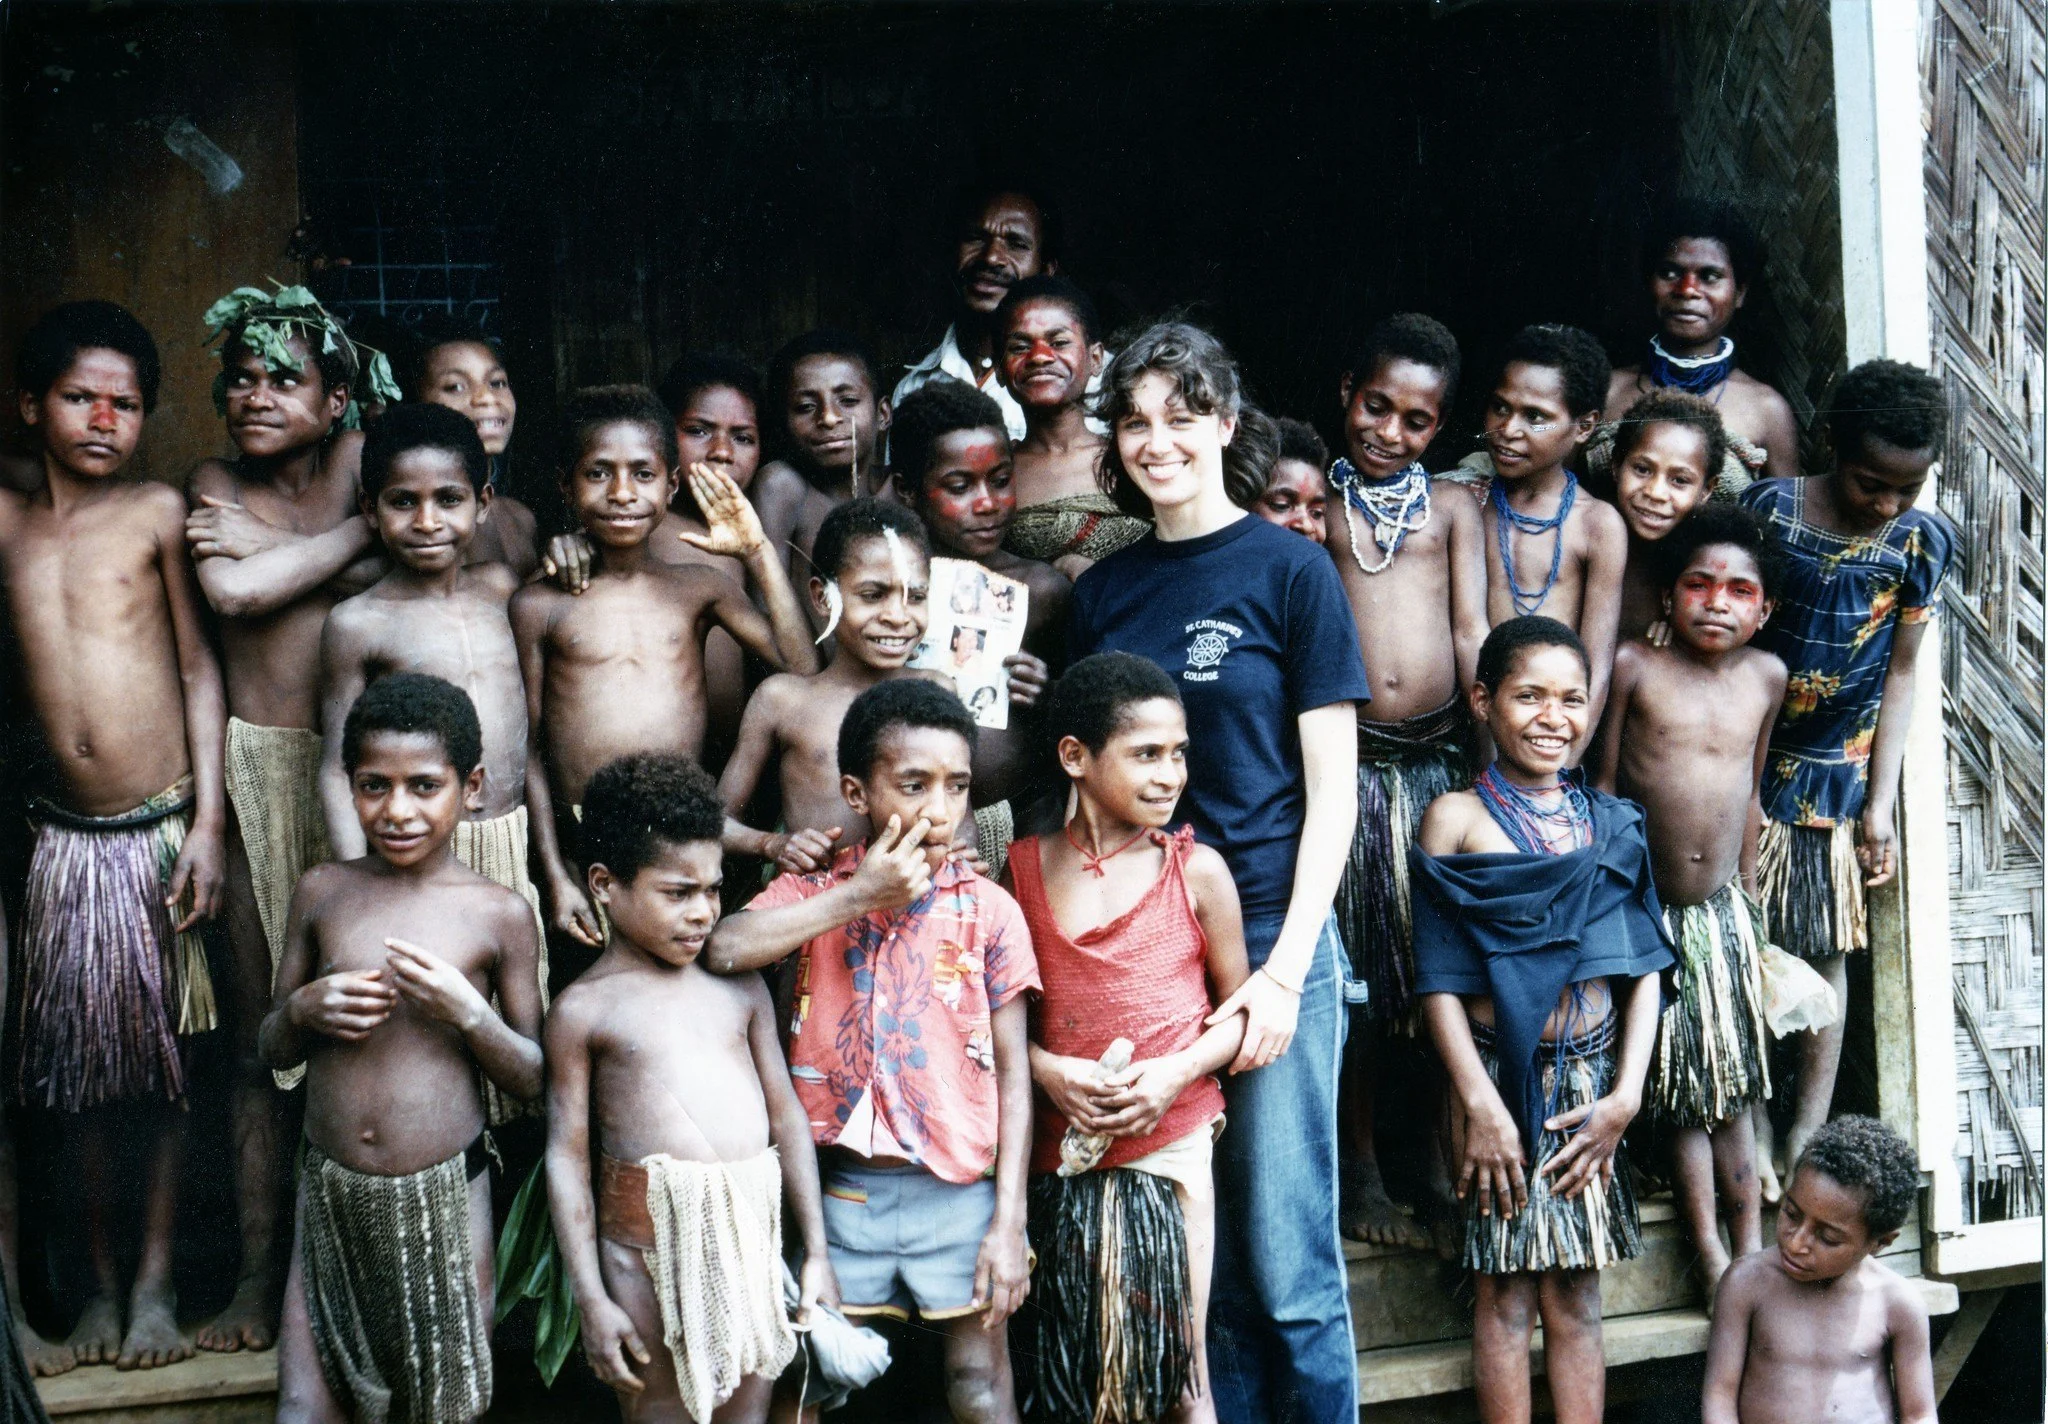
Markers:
point(1252, 622)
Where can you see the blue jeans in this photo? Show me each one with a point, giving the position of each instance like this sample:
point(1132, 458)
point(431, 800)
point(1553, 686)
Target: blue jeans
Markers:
point(1280, 1343)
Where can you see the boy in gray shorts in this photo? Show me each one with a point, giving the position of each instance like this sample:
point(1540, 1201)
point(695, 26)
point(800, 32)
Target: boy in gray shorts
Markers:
point(908, 1041)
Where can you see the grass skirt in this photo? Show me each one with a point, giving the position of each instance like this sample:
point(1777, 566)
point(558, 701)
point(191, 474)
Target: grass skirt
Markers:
point(391, 1291)
point(1812, 889)
point(1090, 525)
point(1402, 767)
point(1590, 1232)
point(1712, 1043)
point(107, 983)
point(1112, 1312)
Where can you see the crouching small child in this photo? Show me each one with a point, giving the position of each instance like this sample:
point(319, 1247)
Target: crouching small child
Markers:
point(1138, 936)
point(1820, 1328)
point(700, 1135)
point(1538, 940)
point(384, 992)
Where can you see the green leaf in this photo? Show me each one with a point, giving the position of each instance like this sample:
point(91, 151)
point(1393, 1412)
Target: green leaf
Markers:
point(383, 385)
point(233, 307)
point(295, 297)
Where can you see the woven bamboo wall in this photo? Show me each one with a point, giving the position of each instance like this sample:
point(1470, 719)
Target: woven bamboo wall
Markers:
point(1754, 89)
point(1984, 93)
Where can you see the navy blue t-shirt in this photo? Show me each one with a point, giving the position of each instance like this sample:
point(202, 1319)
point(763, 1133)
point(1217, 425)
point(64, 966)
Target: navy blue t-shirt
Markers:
point(1252, 622)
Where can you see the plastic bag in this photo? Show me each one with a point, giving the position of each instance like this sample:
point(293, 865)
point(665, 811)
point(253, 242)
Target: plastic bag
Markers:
point(837, 1356)
point(1796, 998)
point(1080, 1151)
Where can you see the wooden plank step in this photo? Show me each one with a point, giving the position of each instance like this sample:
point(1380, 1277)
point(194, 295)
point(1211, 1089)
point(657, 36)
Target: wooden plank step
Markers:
point(1415, 1371)
point(93, 1389)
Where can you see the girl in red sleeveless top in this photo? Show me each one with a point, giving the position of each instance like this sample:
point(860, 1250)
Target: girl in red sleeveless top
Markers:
point(1138, 937)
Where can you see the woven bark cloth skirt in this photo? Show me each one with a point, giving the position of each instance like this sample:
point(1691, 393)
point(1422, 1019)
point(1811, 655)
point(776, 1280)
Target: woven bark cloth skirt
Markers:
point(497, 849)
point(1713, 1046)
point(273, 776)
point(1110, 1313)
point(1812, 889)
point(390, 1277)
point(1090, 525)
point(1589, 1232)
point(994, 828)
point(1402, 767)
point(710, 1234)
point(107, 983)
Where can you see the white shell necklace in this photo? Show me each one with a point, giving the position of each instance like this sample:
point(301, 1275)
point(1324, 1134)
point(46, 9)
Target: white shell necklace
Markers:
point(1398, 506)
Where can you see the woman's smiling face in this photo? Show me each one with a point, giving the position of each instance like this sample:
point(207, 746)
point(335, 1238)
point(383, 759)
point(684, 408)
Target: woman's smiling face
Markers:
point(1172, 453)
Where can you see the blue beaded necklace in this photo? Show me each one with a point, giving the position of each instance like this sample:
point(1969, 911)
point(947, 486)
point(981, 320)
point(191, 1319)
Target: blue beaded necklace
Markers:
point(1397, 505)
point(1537, 829)
point(1525, 601)
point(1695, 375)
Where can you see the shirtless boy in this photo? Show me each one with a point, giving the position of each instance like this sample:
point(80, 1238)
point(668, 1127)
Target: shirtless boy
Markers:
point(130, 827)
point(392, 963)
point(460, 368)
point(620, 667)
point(685, 1079)
point(1819, 1328)
point(277, 540)
point(955, 467)
point(1688, 728)
point(425, 491)
point(1667, 456)
point(1408, 551)
point(1551, 548)
point(1699, 259)
point(869, 590)
point(822, 389)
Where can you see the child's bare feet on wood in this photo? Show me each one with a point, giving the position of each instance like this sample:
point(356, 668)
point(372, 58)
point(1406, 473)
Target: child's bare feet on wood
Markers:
point(153, 1335)
point(41, 1356)
point(1367, 1213)
point(97, 1337)
point(249, 1322)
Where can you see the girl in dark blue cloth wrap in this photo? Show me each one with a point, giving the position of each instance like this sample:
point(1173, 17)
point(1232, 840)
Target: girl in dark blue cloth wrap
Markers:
point(1538, 941)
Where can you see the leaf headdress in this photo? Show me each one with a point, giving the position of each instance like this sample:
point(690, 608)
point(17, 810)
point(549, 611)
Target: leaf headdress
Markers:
point(266, 321)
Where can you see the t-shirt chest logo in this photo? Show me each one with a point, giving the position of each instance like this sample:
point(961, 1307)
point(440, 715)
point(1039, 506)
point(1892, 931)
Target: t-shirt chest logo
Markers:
point(1209, 643)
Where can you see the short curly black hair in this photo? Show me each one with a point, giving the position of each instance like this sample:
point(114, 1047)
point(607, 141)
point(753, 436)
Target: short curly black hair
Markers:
point(1868, 1158)
point(899, 702)
point(696, 371)
point(1409, 336)
point(1716, 523)
point(636, 805)
point(1505, 645)
point(1298, 441)
point(824, 341)
point(421, 425)
point(1665, 406)
point(50, 346)
point(1891, 401)
point(859, 519)
point(594, 407)
point(1049, 287)
point(413, 702)
point(936, 408)
point(1089, 702)
point(1576, 355)
point(1686, 216)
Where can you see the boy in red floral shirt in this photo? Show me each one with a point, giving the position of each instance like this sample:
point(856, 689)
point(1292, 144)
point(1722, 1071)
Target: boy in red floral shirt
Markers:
point(908, 1042)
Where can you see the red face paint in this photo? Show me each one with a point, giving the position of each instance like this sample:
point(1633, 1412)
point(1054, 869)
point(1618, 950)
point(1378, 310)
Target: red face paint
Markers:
point(1718, 603)
point(969, 494)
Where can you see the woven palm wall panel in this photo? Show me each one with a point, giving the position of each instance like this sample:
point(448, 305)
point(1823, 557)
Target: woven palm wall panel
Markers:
point(1754, 88)
point(1984, 96)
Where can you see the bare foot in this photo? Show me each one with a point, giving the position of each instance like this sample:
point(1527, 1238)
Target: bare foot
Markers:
point(42, 1358)
point(248, 1323)
point(1446, 1228)
point(1369, 1214)
point(1767, 1180)
point(153, 1335)
point(97, 1337)
point(1712, 1267)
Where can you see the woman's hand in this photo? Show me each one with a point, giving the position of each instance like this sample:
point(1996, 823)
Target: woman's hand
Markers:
point(1492, 1163)
point(1270, 1010)
point(1595, 1129)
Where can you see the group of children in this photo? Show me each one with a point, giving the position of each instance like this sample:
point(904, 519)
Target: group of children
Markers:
point(939, 995)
